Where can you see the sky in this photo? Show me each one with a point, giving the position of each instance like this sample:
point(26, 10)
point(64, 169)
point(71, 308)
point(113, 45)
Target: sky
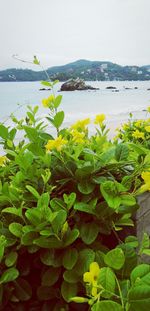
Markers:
point(62, 31)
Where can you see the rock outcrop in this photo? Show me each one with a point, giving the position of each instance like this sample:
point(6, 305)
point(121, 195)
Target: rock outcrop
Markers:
point(76, 84)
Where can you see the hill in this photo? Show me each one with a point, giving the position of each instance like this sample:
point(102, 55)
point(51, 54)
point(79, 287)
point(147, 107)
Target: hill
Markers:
point(85, 69)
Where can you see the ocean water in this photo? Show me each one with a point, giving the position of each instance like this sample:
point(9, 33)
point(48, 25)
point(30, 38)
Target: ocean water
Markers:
point(15, 96)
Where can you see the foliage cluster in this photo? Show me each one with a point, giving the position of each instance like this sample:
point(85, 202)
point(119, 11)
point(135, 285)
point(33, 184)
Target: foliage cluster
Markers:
point(64, 204)
point(136, 131)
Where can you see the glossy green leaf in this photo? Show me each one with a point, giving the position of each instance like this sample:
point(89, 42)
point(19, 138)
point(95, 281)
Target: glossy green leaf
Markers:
point(11, 259)
point(16, 229)
point(89, 232)
point(115, 258)
point(70, 258)
point(107, 305)
point(9, 275)
point(106, 279)
point(68, 290)
point(58, 119)
point(121, 152)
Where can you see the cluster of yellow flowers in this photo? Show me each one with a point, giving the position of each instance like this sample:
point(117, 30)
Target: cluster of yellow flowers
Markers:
point(138, 134)
point(57, 144)
point(46, 102)
point(99, 119)
point(81, 124)
point(146, 177)
point(3, 160)
point(78, 137)
point(135, 129)
point(91, 277)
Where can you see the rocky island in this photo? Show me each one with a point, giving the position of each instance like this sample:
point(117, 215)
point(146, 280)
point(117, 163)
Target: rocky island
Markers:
point(76, 84)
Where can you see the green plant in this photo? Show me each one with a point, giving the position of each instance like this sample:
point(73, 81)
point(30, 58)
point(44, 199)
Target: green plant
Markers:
point(137, 131)
point(64, 204)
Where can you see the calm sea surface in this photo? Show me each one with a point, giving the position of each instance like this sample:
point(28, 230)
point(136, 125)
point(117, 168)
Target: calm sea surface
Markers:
point(14, 96)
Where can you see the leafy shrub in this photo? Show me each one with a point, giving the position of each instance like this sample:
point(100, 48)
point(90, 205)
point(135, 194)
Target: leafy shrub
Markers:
point(64, 203)
point(137, 131)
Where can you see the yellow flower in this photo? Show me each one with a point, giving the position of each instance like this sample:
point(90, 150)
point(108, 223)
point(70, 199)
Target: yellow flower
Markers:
point(147, 128)
point(99, 119)
point(146, 177)
point(91, 277)
point(57, 144)
point(138, 123)
point(2, 160)
point(77, 137)
point(81, 124)
point(148, 109)
point(125, 126)
point(138, 134)
point(46, 102)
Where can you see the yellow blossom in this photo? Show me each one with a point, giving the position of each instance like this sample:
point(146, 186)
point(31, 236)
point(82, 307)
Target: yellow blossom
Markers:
point(125, 126)
point(138, 134)
point(57, 144)
point(99, 119)
point(77, 137)
point(91, 277)
point(138, 123)
point(146, 177)
point(46, 102)
point(2, 160)
point(148, 109)
point(147, 128)
point(81, 124)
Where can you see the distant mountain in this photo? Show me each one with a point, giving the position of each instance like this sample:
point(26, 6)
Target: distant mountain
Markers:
point(85, 69)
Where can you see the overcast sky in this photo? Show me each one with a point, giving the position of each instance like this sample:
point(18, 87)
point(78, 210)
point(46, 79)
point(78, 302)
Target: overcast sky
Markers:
point(62, 31)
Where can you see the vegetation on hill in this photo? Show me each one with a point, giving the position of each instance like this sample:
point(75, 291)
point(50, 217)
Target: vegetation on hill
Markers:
point(87, 70)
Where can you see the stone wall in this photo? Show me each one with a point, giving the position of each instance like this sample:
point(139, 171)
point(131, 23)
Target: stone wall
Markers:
point(143, 218)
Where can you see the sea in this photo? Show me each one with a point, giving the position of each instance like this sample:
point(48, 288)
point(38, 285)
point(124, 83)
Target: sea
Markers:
point(128, 97)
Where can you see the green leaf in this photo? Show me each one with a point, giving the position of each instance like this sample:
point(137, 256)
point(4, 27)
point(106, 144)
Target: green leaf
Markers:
point(139, 298)
point(70, 258)
point(132, 241)
point(115, 258)
point(51, 242)
point(32, 133)
point(127, 199)
point(85, 258)
point(22, 290)
point(29, 237)
point(68, 290)
point(34, 216)
point(107, 305)
point(50, 276)
point(16, 229)
point(36, 61)
point(142, 273)
point(13, 210)
point(3, 131)
point(46, 83)
point(121, 152)
point(11, 259)
point(85, 186)
point(110, 193)
point(88, 232)
point(57, 101)
point(59, 220)
point(71, 276)
point(33, 191)
point(69, 199)
point(84, 207)
point(106, 279)
point(58, 119)
point(71, 236)
point(9, 275)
